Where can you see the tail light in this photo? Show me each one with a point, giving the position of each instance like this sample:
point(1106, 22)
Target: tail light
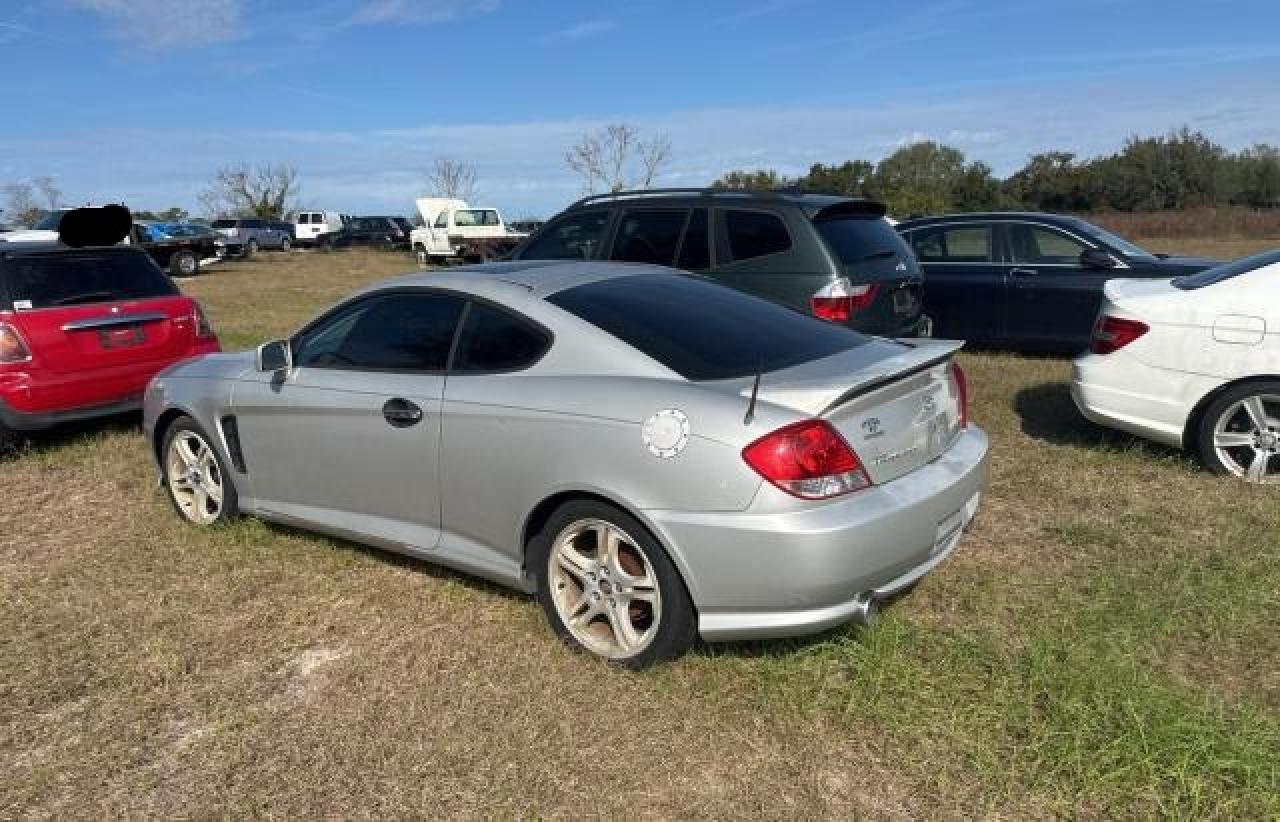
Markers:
point(12, 347)
point(1113, 333)
point(204, 328)
point(809, 460)
point(961, 383)
point(838, 301)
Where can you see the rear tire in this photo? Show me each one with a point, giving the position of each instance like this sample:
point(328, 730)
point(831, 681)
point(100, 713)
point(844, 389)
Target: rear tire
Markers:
point(251, 247)
point(184, 264)
point(198, 482)
point(608, 587)
point(9, 440)
point(1239, 433)
point(285, 244)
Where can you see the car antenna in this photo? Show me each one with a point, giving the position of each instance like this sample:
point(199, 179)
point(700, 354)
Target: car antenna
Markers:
point(755, 392)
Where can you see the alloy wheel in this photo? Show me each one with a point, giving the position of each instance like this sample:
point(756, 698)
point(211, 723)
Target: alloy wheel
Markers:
point(194, 478)
point(604, 589)
point(1246, 438)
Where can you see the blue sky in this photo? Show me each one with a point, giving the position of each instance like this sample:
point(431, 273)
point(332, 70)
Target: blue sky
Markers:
point(141, 100)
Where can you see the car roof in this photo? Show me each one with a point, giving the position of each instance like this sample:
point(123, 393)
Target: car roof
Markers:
point(812, 203)
point(1038, 216)
point(539, 278)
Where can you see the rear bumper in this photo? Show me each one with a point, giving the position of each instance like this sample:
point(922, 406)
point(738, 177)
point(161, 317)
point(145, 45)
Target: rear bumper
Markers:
point(762, 575)
point(1118, 391)
point(42, 420)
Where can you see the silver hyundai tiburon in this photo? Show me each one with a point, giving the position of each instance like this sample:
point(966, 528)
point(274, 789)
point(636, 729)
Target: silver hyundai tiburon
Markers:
point(656, 456)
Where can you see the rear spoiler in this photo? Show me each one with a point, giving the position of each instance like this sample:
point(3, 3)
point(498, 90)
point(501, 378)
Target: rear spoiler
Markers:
point(922, 358)
point(851, 208)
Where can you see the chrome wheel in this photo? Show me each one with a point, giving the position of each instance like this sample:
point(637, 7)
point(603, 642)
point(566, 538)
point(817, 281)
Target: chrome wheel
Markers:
point(194, 478)
point(604, 589)
point(1246, 438)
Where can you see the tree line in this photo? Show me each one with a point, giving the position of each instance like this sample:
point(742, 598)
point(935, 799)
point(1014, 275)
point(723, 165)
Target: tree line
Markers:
point(1183, 169)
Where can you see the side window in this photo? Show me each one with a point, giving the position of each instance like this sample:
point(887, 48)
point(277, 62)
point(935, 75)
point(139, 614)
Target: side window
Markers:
point(959, 244)
point(649, 236)
point(1038, 245)
point(403, 332)
point(576, 237)
point(695, 253)
point(491, 218)
point(494, 340)
point(443, 220)
point(754, 234)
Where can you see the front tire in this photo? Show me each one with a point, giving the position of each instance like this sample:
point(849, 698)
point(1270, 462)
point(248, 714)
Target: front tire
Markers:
point(184, 264)
point(9, 440)
point(1239, 433)
point(285, 244)
point(198, 482)
point(608, 587)
point(251, 247)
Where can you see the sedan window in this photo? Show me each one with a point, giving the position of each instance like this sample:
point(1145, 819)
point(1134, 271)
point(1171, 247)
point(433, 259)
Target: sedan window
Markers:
point(956, 244)
point(392, 332)
point(495, 340)
point(1037, 245)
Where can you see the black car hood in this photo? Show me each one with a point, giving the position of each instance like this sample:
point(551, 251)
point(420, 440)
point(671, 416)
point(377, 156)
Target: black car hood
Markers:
point(1175, 266)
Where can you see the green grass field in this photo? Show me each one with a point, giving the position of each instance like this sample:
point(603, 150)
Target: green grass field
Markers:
point(1105, 643)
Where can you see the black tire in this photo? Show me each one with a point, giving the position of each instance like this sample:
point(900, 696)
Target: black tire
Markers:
point(1226, 410)
point(285, 244)
point(676, 628)
point(229, 508)
point(251, 247)
point(9, 440)
point(184, 264)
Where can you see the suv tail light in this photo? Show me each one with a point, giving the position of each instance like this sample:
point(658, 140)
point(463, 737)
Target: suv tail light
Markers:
point(838, 301)
point(204, 329)
point(12, 347)
point(809, 460)
point(1113, 333)
point(961, 383)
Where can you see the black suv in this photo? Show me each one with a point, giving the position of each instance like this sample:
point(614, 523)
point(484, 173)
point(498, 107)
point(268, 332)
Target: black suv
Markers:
point(835, 257)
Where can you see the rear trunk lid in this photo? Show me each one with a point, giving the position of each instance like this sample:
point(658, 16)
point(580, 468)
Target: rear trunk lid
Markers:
point(896, 405)
point(97, 308)
point(868, 250)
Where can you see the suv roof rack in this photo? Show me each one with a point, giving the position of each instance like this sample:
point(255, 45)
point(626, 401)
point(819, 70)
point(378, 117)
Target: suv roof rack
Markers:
point(792, 194)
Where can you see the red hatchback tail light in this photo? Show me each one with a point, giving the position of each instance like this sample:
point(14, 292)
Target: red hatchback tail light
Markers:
point(962, 392)
point(809, 460)
point(839, 301)
point(1113, 333)
point(12, 347)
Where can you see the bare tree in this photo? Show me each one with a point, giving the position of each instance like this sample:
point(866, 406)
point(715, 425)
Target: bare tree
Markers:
point(266, 191)
point(615, 158)
point(21, 205)
point(49, 192)
point(452, 178)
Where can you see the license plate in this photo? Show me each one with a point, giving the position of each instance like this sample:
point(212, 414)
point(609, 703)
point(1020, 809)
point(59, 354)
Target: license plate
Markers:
point(110, 338)
point(904, 302)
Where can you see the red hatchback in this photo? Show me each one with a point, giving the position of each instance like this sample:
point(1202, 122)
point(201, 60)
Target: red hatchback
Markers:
point(82, 331)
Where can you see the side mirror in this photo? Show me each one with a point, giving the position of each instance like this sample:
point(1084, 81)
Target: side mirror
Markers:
point(1096, 258)
point(274, 356)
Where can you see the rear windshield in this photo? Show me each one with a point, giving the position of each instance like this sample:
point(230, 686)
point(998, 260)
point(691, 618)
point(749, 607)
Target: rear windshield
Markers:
point(701, 330)
point(859, 239)
point(224, 223)
point(50, 221)
point(1227, 271)
point(49, 281)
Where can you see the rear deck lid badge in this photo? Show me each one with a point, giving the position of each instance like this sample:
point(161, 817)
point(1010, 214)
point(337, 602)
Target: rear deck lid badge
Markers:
point(666, 433)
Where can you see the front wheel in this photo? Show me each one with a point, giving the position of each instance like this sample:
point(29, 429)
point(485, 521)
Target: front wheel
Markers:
point(251, 247)
point(285, 244)
point(1239, 433)
point(608, 587)
point(184, 264)
point(199, 485)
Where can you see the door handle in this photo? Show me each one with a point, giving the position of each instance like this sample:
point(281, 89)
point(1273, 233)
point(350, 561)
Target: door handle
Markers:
point(1022, 272)
point(401, 413)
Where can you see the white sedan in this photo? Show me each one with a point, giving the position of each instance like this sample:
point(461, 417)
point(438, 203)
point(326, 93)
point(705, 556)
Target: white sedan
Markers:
point(1193, 363)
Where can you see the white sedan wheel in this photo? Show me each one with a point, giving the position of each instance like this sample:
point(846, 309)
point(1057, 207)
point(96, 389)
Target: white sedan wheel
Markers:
point(1246, 438)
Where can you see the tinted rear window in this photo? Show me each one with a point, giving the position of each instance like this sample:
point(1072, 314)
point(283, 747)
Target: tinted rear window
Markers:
point(701, 330)
point(224, 223)
point(78, 279)
point(858, 239)
point(1227, 271)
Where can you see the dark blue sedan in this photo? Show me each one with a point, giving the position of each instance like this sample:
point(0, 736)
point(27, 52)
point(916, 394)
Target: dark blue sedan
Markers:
point(1025, 281)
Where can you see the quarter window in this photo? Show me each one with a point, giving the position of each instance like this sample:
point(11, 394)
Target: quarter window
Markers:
point(1037, 245)
point(574, 238)
point(959, 244)
point(393, 332)
point(649, 236)
point(755, 234)
point(495, 340)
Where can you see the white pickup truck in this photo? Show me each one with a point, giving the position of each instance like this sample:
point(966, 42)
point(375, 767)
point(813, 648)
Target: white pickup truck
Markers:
point(452, 230)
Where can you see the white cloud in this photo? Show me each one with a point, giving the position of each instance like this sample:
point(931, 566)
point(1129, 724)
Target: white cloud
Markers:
point(165, 24)
point(583, 30)
point(419, 12)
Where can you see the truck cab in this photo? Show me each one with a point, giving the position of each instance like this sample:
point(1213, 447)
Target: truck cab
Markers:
point(452, 229)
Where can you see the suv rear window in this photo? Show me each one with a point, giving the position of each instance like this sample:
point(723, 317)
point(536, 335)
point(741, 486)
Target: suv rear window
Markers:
point(1227, 271)
point(53, 280)
point(701, 330)
point(858, 239)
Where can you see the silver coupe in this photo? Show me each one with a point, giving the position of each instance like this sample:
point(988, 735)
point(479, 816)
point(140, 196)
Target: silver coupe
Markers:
point(657, 457)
